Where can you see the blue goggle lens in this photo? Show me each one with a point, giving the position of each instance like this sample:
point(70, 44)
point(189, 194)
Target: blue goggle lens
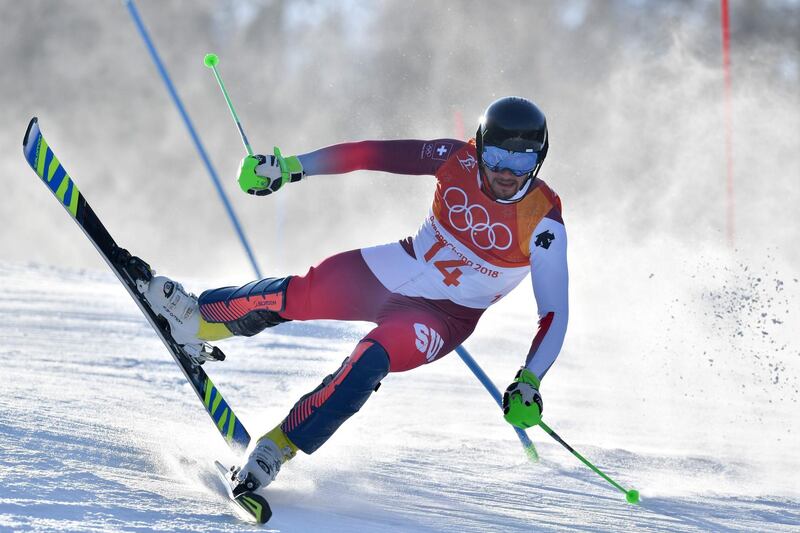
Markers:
point(519, 163)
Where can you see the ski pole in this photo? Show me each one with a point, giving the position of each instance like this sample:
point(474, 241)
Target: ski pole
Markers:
point(631, 495)
point(211, 61)
point(162, 71)
point(527, 445)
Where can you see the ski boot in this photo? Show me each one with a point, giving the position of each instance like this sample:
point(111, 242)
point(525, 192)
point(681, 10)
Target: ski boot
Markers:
point(261, 468)
point(263, 463)
point(177, 311)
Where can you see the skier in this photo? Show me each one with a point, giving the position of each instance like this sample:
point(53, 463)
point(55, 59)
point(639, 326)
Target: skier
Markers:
point(492, 221)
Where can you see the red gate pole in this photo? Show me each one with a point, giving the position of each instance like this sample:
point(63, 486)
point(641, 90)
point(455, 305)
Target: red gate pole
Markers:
point(728, 110)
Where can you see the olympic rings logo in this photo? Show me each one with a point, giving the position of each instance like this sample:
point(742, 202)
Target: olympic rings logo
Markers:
point(475, 219)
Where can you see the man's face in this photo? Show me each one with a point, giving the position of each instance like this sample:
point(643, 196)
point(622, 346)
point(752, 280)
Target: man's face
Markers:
point(504, 183)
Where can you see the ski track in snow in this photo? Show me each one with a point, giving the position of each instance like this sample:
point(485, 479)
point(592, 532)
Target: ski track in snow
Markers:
point(98, 432)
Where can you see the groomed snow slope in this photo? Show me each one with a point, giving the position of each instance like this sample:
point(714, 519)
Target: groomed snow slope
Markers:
point(98, 431)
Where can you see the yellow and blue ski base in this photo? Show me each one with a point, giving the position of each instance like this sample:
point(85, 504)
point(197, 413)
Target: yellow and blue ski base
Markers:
point(228, 425)
point(251, 506)
point(46, 165)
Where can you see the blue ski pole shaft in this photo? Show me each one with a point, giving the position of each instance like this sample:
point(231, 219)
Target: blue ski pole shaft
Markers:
point(192, 132)
point(527, 444)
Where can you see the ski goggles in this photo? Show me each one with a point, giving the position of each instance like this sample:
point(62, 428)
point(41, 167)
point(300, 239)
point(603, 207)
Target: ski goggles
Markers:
point(519, 163)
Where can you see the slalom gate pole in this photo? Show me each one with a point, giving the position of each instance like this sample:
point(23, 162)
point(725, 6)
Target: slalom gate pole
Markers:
point(189, 126)
point(728, 106)
point(631, 495)
point(527, 444)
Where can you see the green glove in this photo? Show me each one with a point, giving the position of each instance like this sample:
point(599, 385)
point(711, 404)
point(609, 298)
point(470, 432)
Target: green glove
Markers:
point(522, 403)
point(261, 175)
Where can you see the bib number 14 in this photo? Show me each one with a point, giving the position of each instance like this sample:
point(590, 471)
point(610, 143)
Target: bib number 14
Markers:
point(450, 268)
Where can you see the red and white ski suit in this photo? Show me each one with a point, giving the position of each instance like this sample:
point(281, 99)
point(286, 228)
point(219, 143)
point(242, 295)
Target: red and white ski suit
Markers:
point(424, 293)
point(427, 292)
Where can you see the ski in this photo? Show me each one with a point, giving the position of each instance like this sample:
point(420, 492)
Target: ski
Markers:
point(128, 270)
point(249, 504)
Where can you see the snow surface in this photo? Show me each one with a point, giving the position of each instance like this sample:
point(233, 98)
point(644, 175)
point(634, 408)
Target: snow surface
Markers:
point(99, 432)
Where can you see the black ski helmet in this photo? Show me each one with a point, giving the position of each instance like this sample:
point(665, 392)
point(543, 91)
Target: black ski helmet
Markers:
point(516, 124)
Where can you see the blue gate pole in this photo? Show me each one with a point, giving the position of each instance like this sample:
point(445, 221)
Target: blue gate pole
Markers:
point(527, 445)
point(176, 99)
